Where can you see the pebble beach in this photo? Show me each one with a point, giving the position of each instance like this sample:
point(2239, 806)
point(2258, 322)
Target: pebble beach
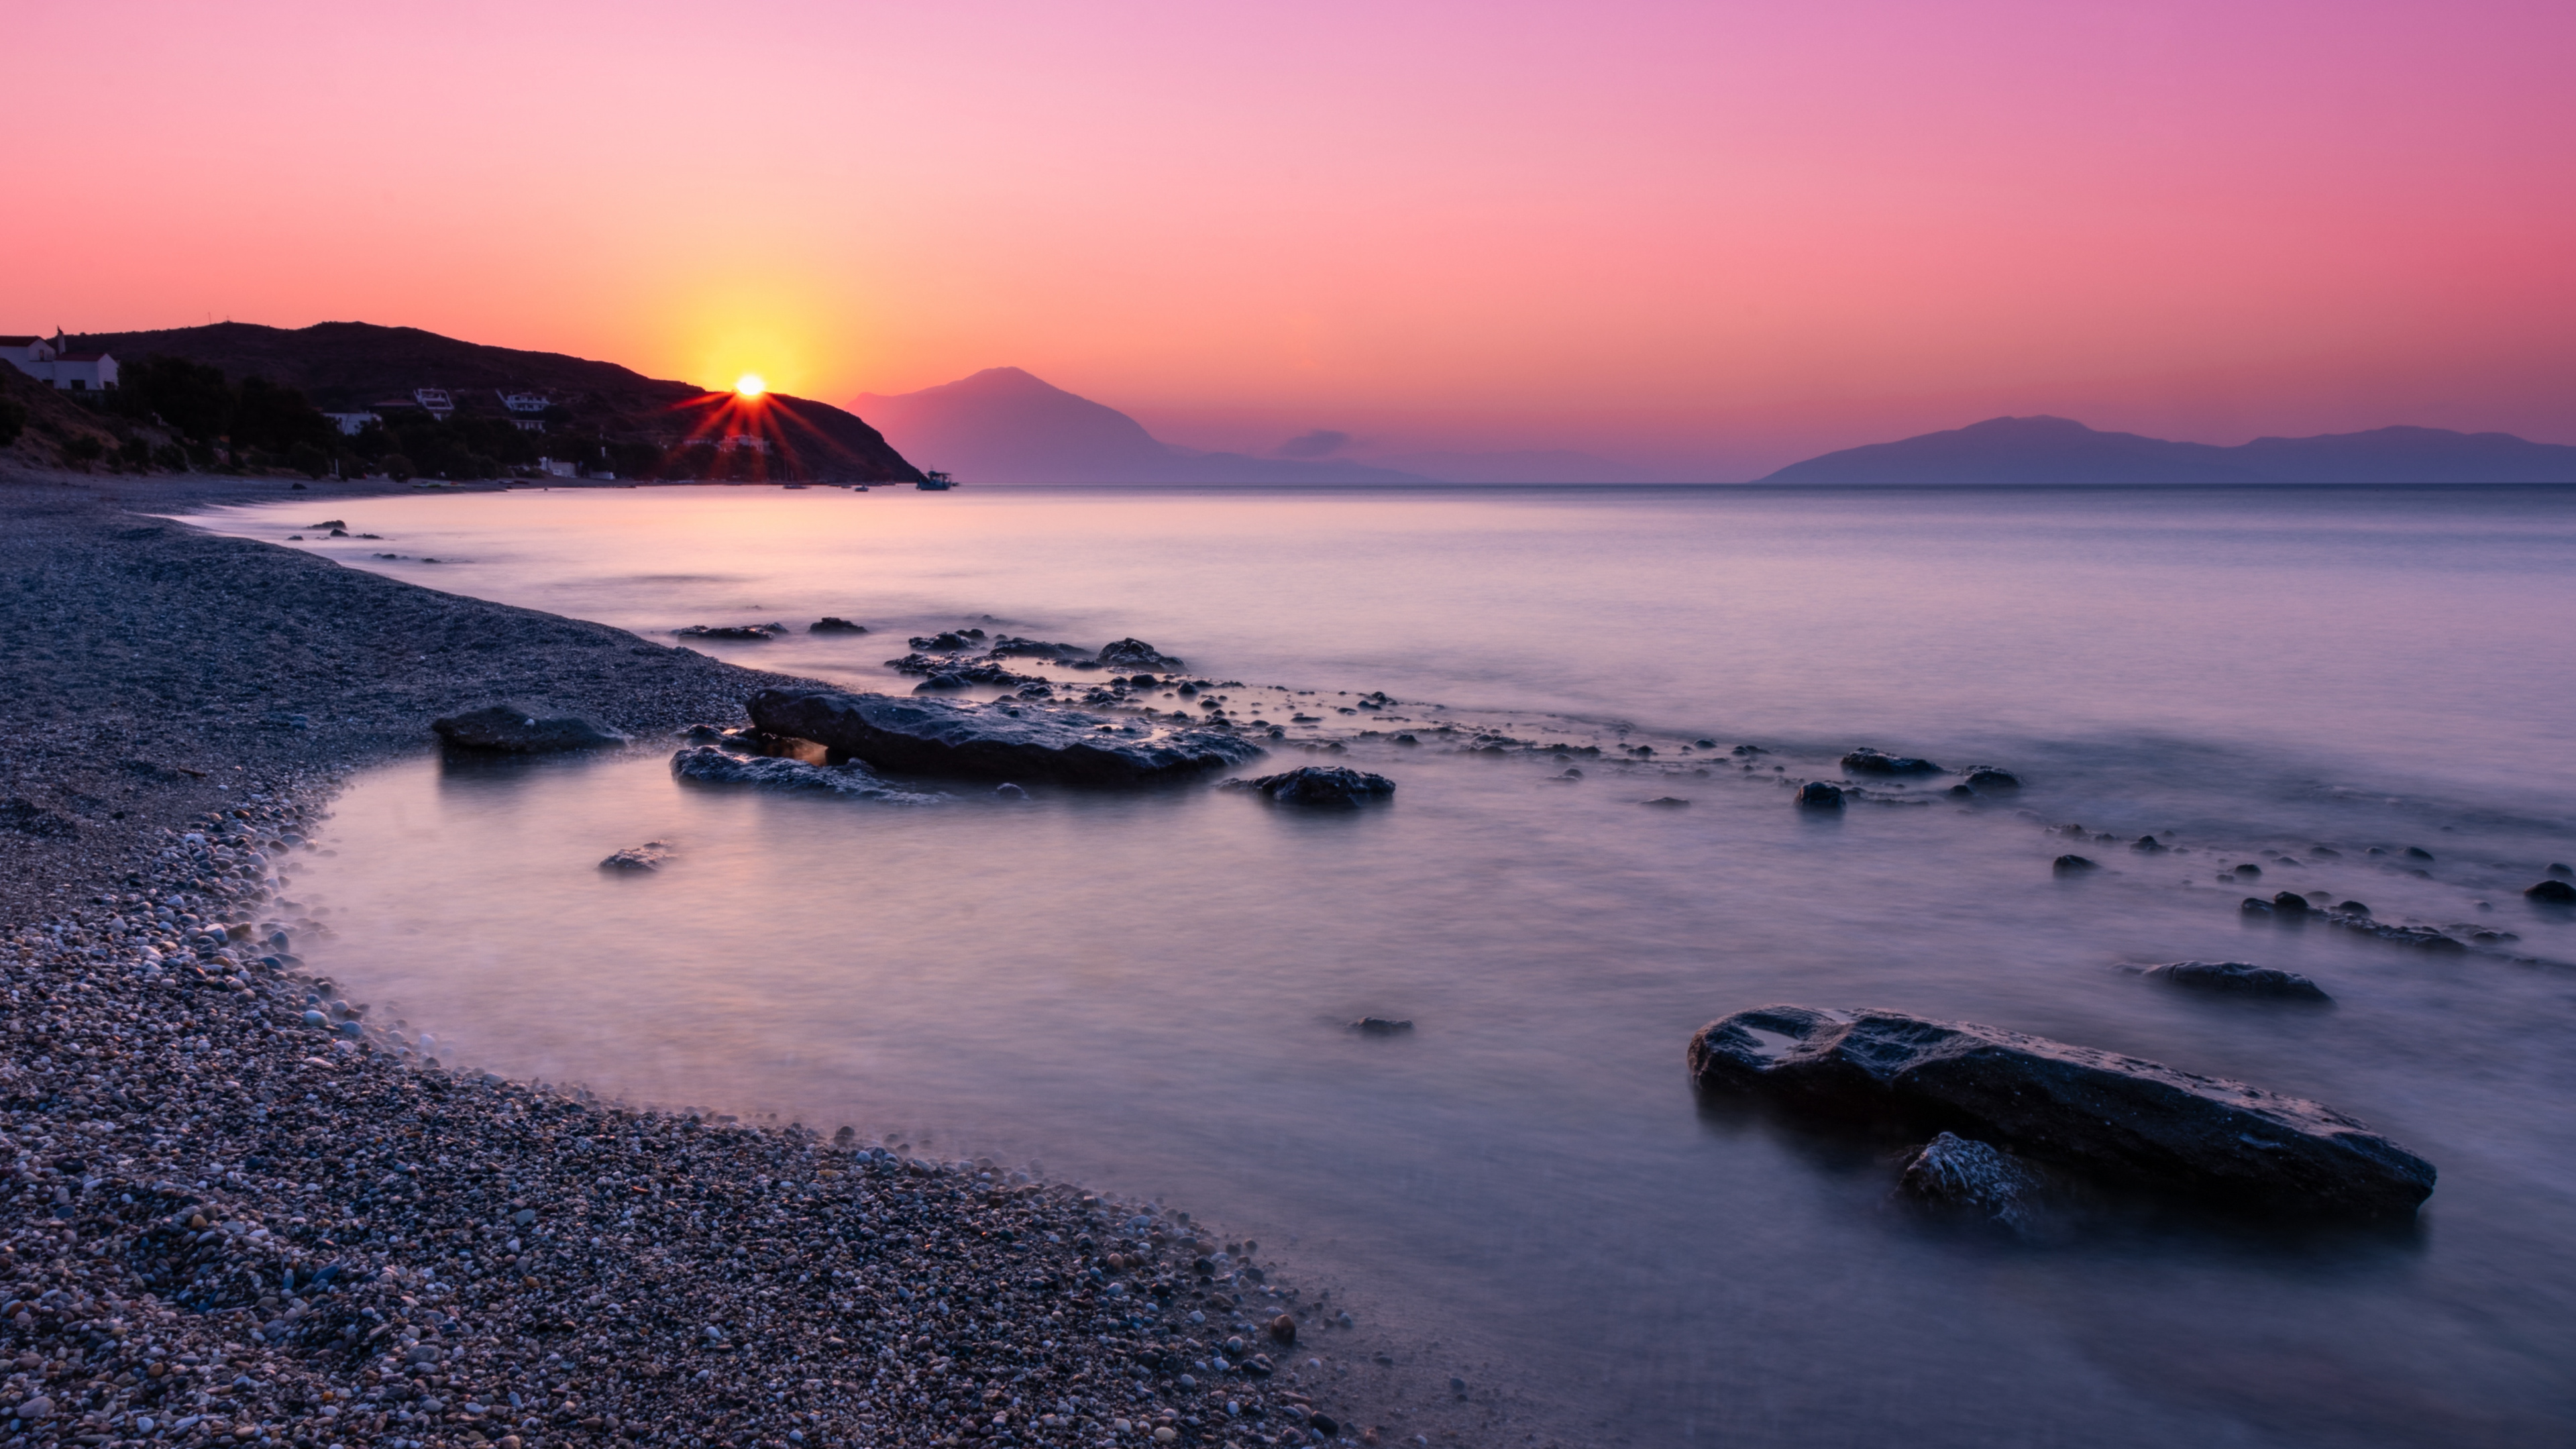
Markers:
point(239, 1212)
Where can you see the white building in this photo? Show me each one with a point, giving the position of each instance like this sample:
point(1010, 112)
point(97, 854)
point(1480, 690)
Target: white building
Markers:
point(48, 363)
point(434, 401)
point(527, 409)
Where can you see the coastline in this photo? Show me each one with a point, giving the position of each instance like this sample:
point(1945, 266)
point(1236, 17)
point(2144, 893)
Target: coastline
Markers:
point(355, 1249)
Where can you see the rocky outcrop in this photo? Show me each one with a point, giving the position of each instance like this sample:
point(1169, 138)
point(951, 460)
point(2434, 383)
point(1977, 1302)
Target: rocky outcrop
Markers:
point(2552, 893)
point(1866, 761)
point(744, 633)
point(1987, 777)
point(2109, 1116)
point(2238, 978)
point(1818, 795)
point(835, 624)
point(1331, 787)
point(707, 765)
point(510, 730)
point(1006, 739)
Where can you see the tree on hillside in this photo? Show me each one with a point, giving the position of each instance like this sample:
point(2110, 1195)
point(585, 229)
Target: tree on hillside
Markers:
point(191, 397)
point(274, 419)
point(13, 420)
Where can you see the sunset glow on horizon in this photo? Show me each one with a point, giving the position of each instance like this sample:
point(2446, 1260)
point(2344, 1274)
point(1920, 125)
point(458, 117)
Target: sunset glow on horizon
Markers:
point(1710, 237)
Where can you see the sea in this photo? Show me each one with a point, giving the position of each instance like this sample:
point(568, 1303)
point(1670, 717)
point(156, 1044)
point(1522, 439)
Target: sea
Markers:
point(2361, 694)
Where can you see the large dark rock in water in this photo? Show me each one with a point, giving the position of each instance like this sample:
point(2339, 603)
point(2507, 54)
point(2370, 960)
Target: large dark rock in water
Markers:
point(1007, 739)
point(508, 729)
point(2552, 893)
point(2238, 978)
point(1330, 786)
point(2107, 1115)
point(1871, 762)
point(1817, 795)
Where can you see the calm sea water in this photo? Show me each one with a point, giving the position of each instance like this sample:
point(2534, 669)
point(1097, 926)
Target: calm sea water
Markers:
point(1148, 993)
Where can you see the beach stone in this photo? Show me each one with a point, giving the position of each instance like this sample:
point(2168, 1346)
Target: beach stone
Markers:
point(707, 765)
point(508, 729)
point(1380, 1026)
point(1955, 1173)
point(1332, 787)
point(1005, 737)
point(648, 856)
point(1987, 777)
point(1136, 654)
point(2238, 978)
point(1867, 761)
point(743, 633)
point(834, 624)
point(2552, 893)
point(36, 1408)
point(2116, 1117)
point(2148, 845)
point(1817, 795)
point(2073, 865)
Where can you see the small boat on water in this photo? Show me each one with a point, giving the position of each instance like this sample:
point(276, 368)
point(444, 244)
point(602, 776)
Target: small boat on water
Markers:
point(935, 483)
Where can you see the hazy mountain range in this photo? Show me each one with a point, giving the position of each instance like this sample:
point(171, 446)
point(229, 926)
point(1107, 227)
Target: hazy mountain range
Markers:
point(1003, 425)
point(2056, 450)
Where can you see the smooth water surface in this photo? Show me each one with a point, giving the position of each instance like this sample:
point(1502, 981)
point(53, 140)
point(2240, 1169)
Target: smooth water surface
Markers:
point(1148, 992)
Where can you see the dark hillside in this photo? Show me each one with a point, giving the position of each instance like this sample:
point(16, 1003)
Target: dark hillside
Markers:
point(602, 412)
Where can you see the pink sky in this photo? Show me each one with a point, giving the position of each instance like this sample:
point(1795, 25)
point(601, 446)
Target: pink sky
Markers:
point(1716, 236)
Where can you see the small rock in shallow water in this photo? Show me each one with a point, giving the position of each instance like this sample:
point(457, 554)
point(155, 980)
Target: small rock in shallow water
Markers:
point(2552, 893)
point(648, 856)
point(2072, 865)
point(1137, 654)
point(1380, 1026)
point(1330, 786)
point(832, 624)
point(2148, 845)
point(1817, 795)
point(2290, 903)
point(748, 633)
point(1987, 777)
point(2238, 978)
point(1871, 762)
point(1959, 1174)
point(1667, 801)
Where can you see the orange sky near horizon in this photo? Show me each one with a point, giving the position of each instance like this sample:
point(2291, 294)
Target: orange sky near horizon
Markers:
point(1707, 237)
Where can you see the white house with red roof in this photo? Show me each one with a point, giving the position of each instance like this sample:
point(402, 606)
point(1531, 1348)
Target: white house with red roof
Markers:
point(45, 360)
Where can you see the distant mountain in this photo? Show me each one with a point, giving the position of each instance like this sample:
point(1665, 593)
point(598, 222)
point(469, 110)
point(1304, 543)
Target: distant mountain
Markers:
point(353, 366)
point(1004, 426)
point(2057, 450)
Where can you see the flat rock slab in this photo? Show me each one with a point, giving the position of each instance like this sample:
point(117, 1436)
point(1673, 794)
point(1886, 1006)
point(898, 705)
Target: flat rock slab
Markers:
point(508, 729)
point(2238, 978)
point(707, 765)
point(1006, 739)
point(2116, 1117)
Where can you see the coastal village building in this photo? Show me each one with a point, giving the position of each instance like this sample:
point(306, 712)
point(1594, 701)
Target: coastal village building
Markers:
point(47, 362)
point(434, 401)
point(527, 409)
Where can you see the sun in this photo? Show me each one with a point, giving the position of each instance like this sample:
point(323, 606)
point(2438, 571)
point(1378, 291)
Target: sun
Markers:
point(749, 385)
